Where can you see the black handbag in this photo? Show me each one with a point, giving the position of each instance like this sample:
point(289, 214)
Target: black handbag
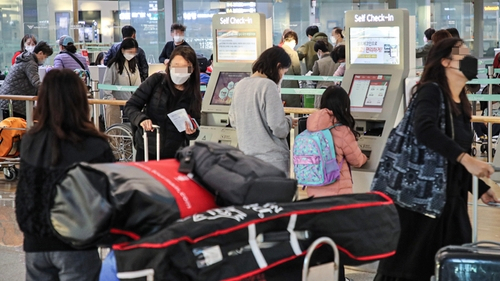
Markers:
point(413, 175)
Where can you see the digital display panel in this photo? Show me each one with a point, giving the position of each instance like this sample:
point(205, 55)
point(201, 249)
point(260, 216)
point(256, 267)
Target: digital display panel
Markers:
point(224, 89)
point(236, 45)
point(374, 45)
point(368, 92)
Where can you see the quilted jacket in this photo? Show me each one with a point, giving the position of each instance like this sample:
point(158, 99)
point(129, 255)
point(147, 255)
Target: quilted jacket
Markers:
point(346, 148)
point(22, 80)
point(65, 60)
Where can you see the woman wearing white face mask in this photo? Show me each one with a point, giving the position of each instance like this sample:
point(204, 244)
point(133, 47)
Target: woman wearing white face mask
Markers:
point(122, 70)
point(161, 94)
point(290, 40)
point(28, 43)
point(177, 32)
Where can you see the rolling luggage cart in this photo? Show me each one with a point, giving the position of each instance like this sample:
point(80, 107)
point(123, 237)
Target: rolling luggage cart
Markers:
point(16, 127)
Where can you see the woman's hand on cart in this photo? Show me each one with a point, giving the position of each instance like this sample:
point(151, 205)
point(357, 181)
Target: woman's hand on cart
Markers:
point(147, 125)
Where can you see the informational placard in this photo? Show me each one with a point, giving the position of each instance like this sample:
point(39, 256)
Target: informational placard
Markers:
point(224, 89)
point(368, 92)
point(374, 45)
point(236, 45)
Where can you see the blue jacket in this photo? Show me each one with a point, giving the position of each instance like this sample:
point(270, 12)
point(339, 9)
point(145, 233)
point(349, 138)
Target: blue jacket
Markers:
point(142, 62)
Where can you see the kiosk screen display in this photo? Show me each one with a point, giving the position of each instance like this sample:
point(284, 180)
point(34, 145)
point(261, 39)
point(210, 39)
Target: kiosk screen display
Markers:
point(368, 92)
point(224, 89)
point(374, 45)
point(236, 45)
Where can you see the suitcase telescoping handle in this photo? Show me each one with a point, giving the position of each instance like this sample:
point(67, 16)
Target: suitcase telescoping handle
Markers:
point(146, 147)
point(310, 250)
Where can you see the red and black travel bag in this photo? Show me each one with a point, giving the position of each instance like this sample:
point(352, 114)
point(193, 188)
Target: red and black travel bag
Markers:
point(234, 243)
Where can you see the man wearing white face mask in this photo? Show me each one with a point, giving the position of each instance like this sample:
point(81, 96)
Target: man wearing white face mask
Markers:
point(423, 51)
point(122, 70)
point(290, 40)
point(177, 31)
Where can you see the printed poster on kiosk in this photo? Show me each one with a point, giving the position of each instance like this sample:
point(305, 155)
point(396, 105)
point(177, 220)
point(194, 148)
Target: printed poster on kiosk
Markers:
point(236, 45)
point(374, 45)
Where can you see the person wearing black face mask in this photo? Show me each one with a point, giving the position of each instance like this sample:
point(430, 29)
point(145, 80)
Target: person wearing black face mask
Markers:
point(449, 66)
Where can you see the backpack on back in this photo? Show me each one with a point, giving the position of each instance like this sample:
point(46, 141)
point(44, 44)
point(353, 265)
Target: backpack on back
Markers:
point(11, 131)
point(314, 158)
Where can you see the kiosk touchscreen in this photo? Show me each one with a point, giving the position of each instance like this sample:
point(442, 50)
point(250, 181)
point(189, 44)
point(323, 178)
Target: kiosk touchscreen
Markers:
point(239, 40)
point(215, 108)
point(377, 63)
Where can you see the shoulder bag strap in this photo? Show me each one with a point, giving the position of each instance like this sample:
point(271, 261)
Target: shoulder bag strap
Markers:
point(75, 58)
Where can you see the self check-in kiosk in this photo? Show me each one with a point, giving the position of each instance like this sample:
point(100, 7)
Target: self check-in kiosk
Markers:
point(377, 63)
point(238, 40)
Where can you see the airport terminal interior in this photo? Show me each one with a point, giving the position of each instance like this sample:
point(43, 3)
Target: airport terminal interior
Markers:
point(381, 40)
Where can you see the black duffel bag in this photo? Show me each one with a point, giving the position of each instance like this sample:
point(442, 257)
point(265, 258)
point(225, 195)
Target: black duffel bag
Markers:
point(233, 243)
point(233, 177)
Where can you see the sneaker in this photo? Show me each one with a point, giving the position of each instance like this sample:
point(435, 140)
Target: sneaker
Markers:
point(348, 279)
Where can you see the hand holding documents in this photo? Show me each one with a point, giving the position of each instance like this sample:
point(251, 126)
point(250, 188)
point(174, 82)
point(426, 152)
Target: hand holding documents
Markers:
point(179, 118)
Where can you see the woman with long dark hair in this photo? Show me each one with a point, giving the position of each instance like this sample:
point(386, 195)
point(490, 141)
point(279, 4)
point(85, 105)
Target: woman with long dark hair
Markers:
point(449, 66)
point(122, 70)
point(257, 111)
point(163, 93)
point(62, 136)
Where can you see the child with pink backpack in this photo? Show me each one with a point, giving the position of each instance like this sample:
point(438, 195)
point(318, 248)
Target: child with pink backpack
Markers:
point(334, 116)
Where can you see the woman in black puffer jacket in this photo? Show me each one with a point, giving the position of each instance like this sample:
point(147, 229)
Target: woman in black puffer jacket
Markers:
point(161, 94)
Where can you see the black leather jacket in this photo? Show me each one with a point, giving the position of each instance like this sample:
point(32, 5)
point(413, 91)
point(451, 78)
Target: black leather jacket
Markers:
point(154, 100)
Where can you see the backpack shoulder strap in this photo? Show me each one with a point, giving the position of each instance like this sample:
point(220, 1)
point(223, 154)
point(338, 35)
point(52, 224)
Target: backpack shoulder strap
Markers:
point(334, 125)
point(329, 138)
point(75, 58)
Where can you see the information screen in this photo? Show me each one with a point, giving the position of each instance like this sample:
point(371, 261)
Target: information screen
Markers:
point(224, 89)
point(368, 92)
point(374, 45)
point(236, 45)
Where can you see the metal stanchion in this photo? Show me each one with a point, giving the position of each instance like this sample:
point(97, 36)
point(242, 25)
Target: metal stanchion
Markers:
point(490, 113)
point(95, 95)
point(29, 113)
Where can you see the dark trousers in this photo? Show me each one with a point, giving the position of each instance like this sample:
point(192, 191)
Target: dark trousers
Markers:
point(63, 266)
point(482, 130)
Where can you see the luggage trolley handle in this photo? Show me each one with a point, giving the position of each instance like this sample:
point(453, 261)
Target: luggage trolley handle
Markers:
point(146, 146)
point(310, 250)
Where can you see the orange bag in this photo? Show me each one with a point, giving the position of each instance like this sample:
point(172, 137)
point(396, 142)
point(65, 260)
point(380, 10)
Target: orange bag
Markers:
point(11, 131)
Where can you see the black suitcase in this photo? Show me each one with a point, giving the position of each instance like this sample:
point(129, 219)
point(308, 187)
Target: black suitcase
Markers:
point(477, 261)
point(302, 124)
point(470, 262)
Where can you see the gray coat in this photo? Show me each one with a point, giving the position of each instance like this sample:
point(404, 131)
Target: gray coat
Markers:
point(291, 100)
point(423, 51)
point(324, 67)
point(22, 80)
